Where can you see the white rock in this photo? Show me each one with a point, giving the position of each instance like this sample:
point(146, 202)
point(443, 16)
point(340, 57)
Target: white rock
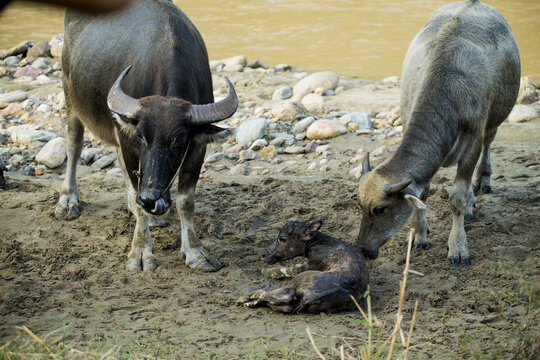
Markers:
point(283, 93)
point(325, 129)
point(356, 172)
point(390, 80)
point(380, 150)
point(312, 166)
point(254, 128)
point(103, 162)
point(115, 172)
point(87, 155)
point(322, 148)
point(234, 68)
point(303, 124)
point(293, 149)
point(287, 110)
point(53, 154)
point(277, 141)
point(521, 113)
point(239, 170)
point(215, 157)
point(235, 60)
point(321, 81)
point(313, 102)
point(258, 144)
point(44, 108)
point(57, 43)
point(23, 135)
point(40, 63)
point(246, 155)
point(17, 95)
point(216, 64)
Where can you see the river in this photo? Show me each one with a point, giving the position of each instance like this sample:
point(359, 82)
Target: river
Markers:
point(362, 38)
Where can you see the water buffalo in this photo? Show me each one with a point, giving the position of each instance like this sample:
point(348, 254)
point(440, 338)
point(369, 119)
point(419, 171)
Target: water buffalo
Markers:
point(137, 79)
point(337, 271)
point(460, 81)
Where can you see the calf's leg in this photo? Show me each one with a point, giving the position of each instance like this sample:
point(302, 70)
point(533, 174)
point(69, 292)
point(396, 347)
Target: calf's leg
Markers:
point(419, 226)
point(68, 203)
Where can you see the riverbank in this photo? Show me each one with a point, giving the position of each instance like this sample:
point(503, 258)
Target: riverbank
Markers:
point(295, 154)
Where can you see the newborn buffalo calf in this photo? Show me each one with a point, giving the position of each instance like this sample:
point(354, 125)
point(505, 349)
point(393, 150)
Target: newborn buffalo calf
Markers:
point(337, 270)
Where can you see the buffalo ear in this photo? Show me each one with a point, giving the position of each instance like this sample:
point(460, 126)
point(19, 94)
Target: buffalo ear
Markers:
point(205, 134)
point(126, 124)
point(415, 202)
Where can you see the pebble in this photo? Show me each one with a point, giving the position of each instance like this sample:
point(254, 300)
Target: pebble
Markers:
point(215, 157)
point(288, 139)
point(44, 108)
point(12, 61)
point(283, 93)
point(235, 60)
point(380, 150)
point(28, 71)
point(115, 172)
point(23, 135)
point(87, 155)
point(11, 109)
point(103, 162)
point(13, 96)
point(57, 43)
point(277, 141)
point(53, 154)
point(267, 152)
point(520, 113)
point(40, 49)
point(356, 172)
point(239, 170)
point(246, 155)
point(313, 102)
point(252, 129)
point(363, 119)
point(390, 81)
point(294, 149)
point(287, 110)
point(312, 166)
point(282, 67)
point(258, 144)
point(235, 148)
point(325, 129)
point(303, 124)
point(233, 68)
point(322, 148)
point(20, 48)
point(300, 137)
point(40, 63)
point(311, 147)
point(319, 82)
point(257, 64)
point(40, 170)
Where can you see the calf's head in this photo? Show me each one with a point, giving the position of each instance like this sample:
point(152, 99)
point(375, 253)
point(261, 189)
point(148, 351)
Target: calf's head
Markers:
point(291, 241)
point(164, 130)
point(386, 204)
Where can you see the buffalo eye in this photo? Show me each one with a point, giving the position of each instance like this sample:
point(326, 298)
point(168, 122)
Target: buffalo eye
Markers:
point(282, 239)
point(379, 210)
point(176, 143)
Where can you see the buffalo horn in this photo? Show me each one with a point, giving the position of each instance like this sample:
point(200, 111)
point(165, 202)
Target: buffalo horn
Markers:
point(390, 189)
point(365, 164)
point(121, 103)
point(209, 113)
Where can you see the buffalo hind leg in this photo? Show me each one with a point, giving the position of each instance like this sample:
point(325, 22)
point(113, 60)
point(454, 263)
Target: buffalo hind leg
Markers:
point(68, 203)
point(482, 183)
point(196, 256)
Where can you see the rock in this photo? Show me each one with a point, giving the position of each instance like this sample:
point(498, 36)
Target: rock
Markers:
point(40, 49)
point(103, 162)
point(87, 155)
point(239, 170)
point(17, 159)
point(283, 93)
point(53, 154)
point(277, 141)
point(300, 137)
point(267, 152)
point(11, 109)
point(288, 139)
point(287, 110)
point(235, 60)
point(311, 147)
point(282, 67)
point(303, 124)
point(324, 168)
point(320, 82)
point(361, 118)
point(20, 49)
point(325, 129)
point(17, 95)
point(380, 151)
point(313, 102)
point(293, 149)
point(235, 148)
point(23, 135)
point(57, 43)
point(322, 148)
point(356, 172)
point(40, 170)
point(40, 64)
point(233, 68)
point(115, 172)
point(390, 81)
point(216, 65)
point(528, 96)
point(42, 80)
point(28, 71)
point(254, 128)
point(258, 144)
point(246, 155)
point(312, 166)
point(12, 61)
point(258, 64)
point(215, 157)
point(520, 113)
point(44, 108)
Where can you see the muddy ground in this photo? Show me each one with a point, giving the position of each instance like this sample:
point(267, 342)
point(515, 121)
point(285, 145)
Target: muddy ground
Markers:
point(71, 276)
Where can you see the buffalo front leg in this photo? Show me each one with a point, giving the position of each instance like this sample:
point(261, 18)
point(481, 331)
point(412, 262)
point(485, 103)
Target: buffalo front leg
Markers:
point(68, 203)
point(482, 182)
point(140, 257)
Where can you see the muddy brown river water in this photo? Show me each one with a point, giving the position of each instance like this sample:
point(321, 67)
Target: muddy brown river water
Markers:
point(360, 38)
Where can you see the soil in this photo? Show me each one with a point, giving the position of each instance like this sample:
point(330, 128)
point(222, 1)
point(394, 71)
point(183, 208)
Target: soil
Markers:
point(71, 277)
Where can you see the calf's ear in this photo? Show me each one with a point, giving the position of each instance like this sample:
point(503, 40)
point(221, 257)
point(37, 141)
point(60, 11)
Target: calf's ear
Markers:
point(313, 227)
point(205, 134)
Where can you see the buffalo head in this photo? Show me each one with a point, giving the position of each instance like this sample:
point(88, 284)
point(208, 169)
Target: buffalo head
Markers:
point(386, 204)
point(164, 130)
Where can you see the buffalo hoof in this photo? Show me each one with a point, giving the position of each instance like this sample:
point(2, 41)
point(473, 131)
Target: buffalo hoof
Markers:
point(415, 247)
point(157, 222)
point(146, 263)
point(200, 259)
point(486, 189)
point(468, 217)
point(67, 211)
point(454, 261)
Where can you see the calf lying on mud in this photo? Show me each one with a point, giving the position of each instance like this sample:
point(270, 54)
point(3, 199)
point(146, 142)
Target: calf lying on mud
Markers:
point(337, 271)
